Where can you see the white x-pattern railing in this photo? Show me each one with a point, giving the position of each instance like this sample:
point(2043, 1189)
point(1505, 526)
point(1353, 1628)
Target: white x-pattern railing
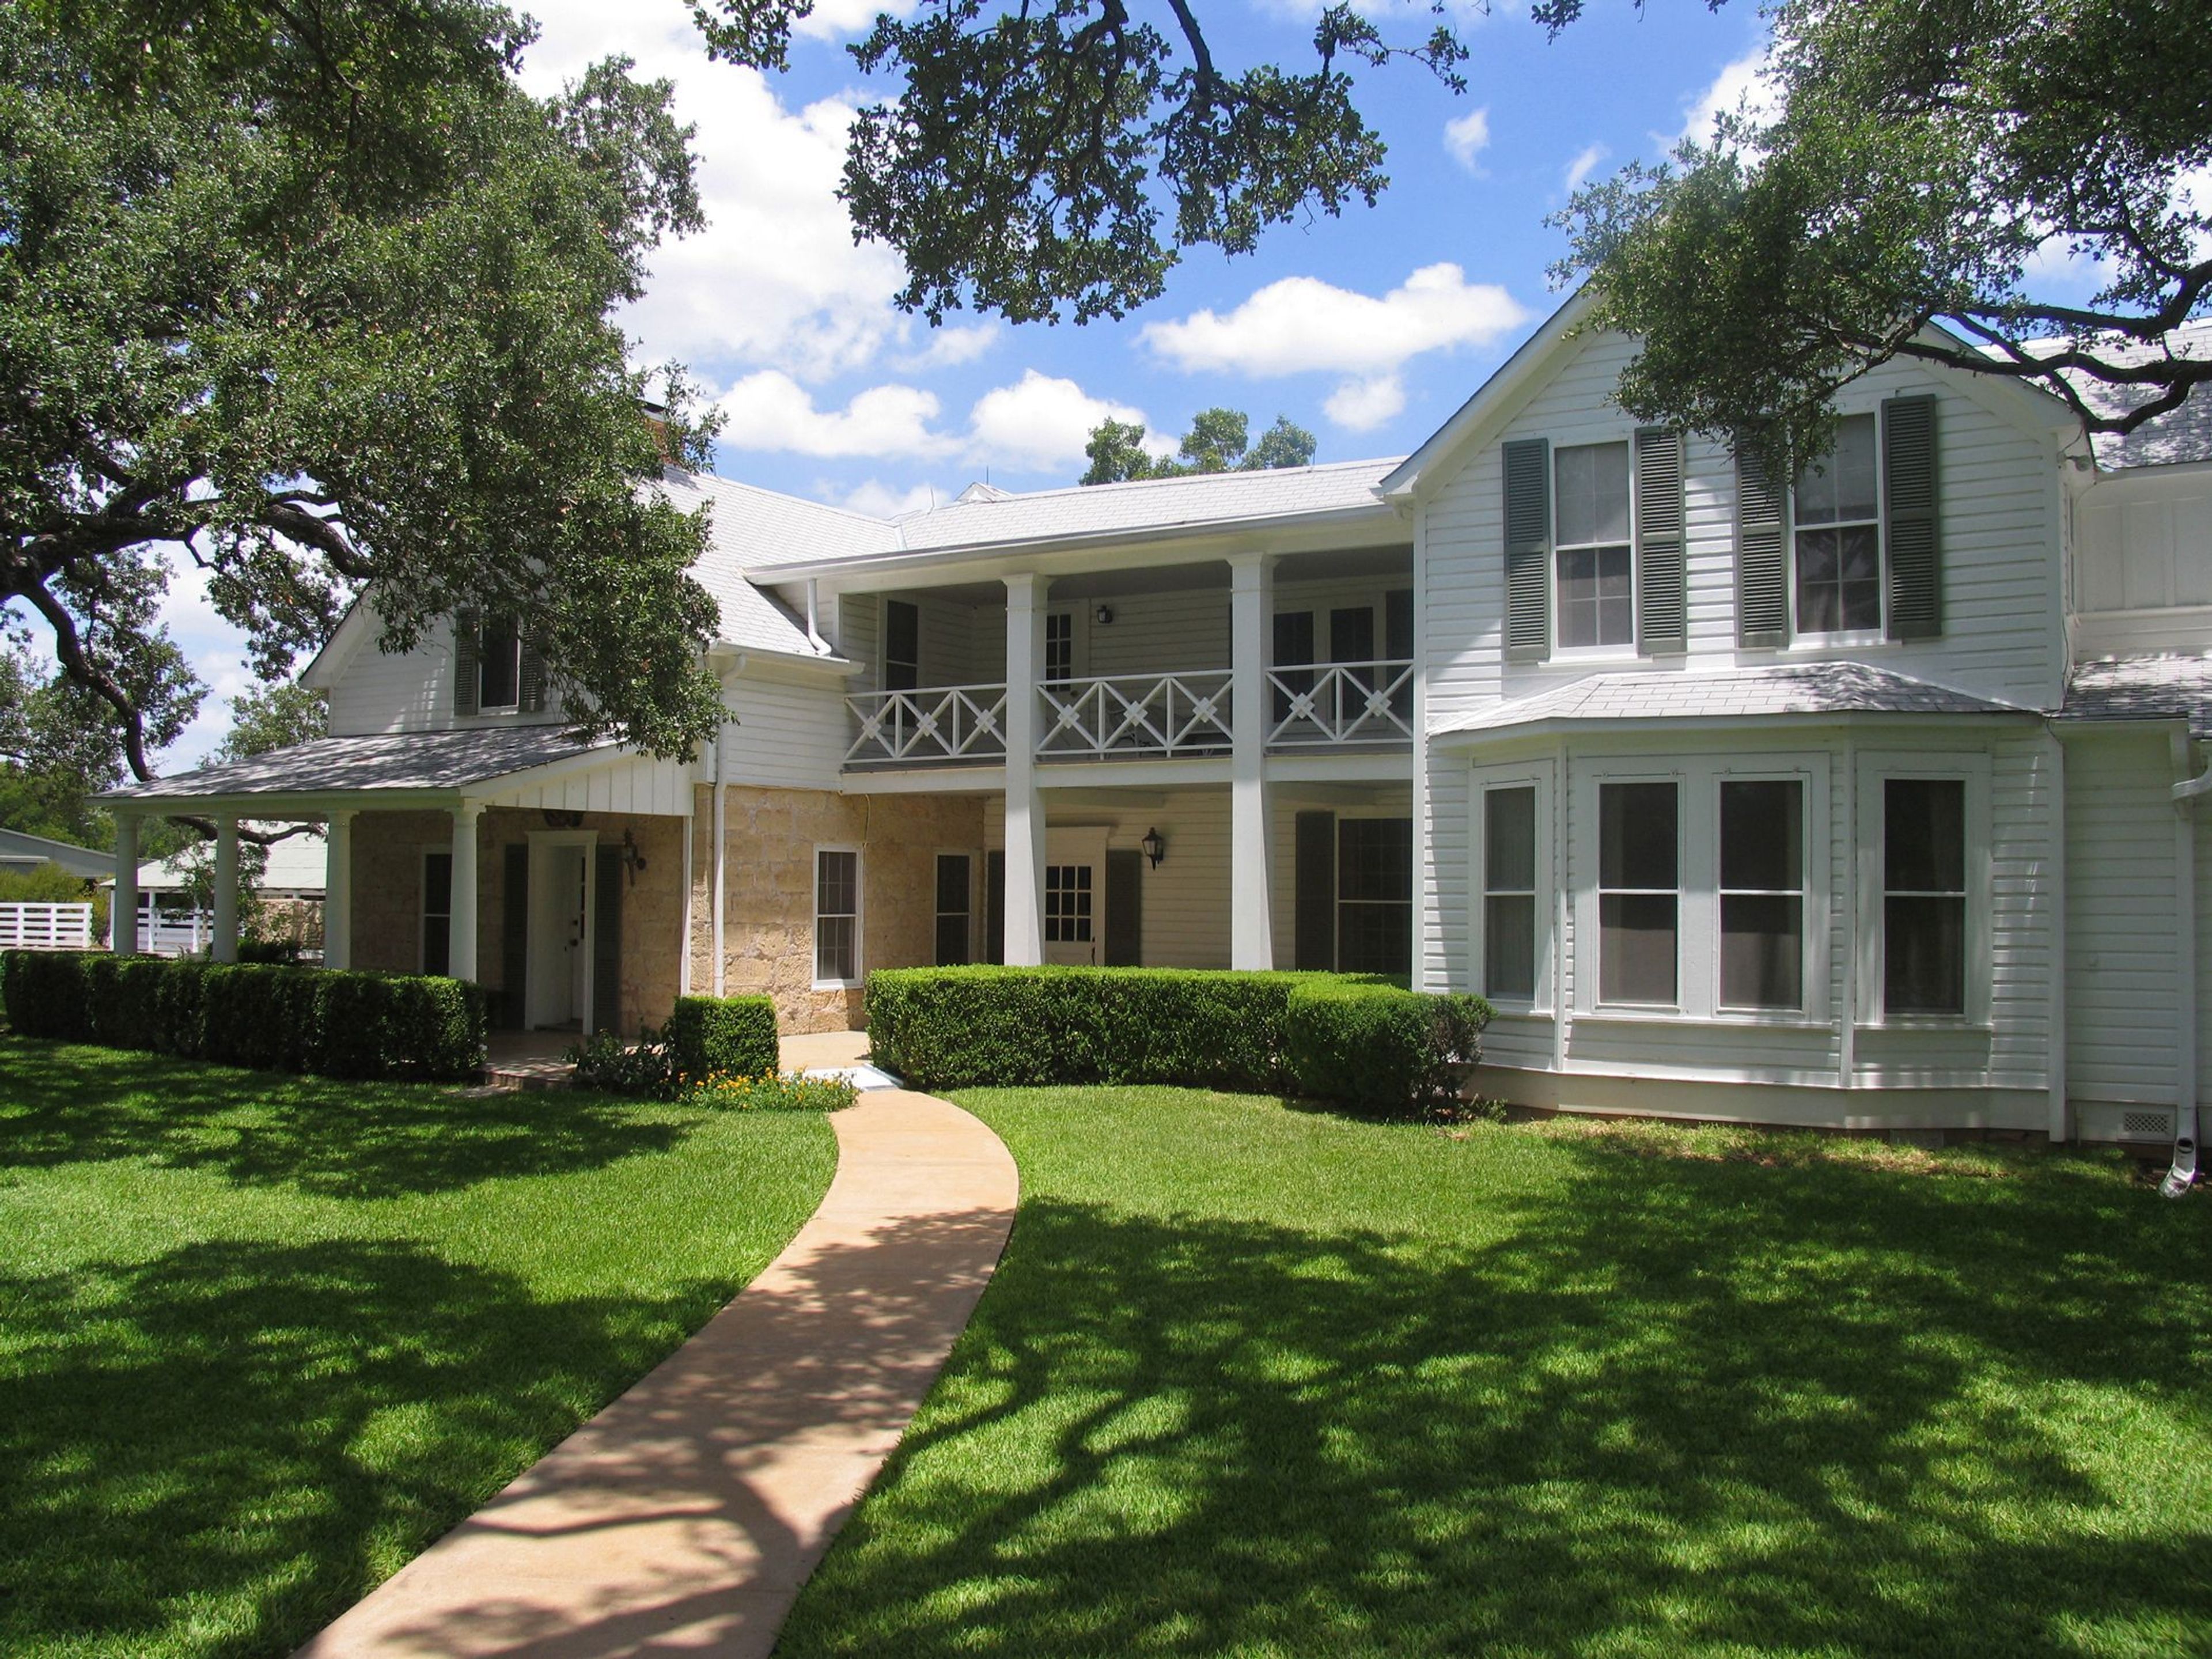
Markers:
point(938, 723)
point(1131, 714)
point(1341, 702)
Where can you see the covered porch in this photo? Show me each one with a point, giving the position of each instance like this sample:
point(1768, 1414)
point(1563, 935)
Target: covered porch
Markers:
point(552, 873)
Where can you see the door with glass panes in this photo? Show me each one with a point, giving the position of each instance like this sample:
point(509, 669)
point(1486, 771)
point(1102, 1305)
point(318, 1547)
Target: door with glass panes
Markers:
point(1075, 898)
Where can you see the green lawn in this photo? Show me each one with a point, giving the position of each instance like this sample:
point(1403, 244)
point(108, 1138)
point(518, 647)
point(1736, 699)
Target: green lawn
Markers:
point(262, 1338)
point(1256, 1381)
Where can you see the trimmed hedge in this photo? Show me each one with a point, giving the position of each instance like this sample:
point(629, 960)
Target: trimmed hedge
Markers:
point(733, 1036)
point(949, 1028)
point(271, 1019)
point(1381, 1048)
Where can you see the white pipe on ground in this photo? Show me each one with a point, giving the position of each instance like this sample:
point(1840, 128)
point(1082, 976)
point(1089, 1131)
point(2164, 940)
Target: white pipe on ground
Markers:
point(2182, 1172)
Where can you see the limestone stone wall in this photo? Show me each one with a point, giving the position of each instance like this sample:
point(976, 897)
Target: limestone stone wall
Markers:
point(769, 942)
point(387, 886)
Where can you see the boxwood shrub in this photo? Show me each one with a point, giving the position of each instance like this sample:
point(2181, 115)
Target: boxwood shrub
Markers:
point(275, 1018)
point(946, 1027)
point(1381, 1048)
point(733, 1036)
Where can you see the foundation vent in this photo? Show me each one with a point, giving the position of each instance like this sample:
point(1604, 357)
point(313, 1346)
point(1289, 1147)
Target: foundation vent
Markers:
point(2155, 1125)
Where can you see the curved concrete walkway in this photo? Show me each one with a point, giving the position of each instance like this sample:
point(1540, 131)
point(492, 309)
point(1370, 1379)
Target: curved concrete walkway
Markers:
point(686, 1516)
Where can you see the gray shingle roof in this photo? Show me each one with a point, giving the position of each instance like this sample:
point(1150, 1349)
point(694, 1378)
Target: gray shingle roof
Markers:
point(1821, 687)
point(2180, 435)
point(393, 760)
point(750, 527)
point(2143, 689)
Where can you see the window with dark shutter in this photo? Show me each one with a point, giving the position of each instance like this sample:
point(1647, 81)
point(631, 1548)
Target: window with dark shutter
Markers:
point(465, 626)
point(1662, 616)
point(1762, 599)
point(1909, 508)
point(532, 675)
point(1528, 550)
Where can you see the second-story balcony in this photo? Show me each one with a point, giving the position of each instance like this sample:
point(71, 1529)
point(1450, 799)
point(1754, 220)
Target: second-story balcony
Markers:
point(1355, 706)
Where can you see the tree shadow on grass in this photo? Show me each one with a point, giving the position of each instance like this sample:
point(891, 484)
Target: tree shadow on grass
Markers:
point(1677, 1406)
point(217, 1451)
point(61, 1105)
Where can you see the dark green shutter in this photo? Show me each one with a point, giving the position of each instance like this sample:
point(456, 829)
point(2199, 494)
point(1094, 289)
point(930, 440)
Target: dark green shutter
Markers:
point(1316, 923)
point(1662, 608)
point(1528, 550)
point(468, 626)
point(515, 936)
point(994, 907)
point(531, 677)
point(1125, 908)
point(1762, 601)
point(606, 940)
point(1910, 529)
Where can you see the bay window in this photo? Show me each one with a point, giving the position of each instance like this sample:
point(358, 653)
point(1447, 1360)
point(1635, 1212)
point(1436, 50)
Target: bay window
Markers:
point(1508, 892)
point(1923, 896)
point(1762, 893)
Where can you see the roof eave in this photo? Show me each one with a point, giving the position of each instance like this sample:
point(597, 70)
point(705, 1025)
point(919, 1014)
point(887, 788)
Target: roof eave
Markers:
point(1572, 725)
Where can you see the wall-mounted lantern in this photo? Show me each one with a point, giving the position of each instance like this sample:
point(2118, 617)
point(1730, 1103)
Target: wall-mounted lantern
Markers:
point(1104, 616)
point(633, 860)
point(1155, 849)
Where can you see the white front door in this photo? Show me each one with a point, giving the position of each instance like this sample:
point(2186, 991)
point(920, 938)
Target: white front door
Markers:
point(1075, 898)
point(560, 984)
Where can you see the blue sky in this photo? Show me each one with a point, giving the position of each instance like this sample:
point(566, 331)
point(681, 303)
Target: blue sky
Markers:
point(1368, 330)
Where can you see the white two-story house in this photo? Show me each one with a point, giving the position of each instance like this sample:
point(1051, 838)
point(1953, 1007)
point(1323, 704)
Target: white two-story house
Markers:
point(1862, 799)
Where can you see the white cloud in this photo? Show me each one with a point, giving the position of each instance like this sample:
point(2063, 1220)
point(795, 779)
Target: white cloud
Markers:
point(841, 20)
point(948, 347)
point(1584, 165)
point(879, 500)
point(775, 277)
point(1742, 86)
point(771, 410)
point(1364, 404)
point(1039, 425)
point(1302, 324)
point(1468, 137)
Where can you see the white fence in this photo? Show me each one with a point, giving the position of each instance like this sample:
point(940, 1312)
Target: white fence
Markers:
point(1127, 714)
point(175, 933)
point(950, 722)
point(46, 926)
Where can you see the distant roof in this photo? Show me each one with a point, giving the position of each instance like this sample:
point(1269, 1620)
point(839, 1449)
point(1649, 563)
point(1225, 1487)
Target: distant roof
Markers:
point(982, 517)
point(386, 760)
point(297, 863)
point(1817, 688)
point(750, 526)
point(21, 850)
point(2143, 689)
point(2179, 435)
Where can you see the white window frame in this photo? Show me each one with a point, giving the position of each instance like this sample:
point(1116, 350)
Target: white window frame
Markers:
point(483, 657)
point(1697, 865)
point(1337, 901)
point(1630, 650)
point(1538, 775)
point(1857, 637)
point(859, 919)
point(1973, 767)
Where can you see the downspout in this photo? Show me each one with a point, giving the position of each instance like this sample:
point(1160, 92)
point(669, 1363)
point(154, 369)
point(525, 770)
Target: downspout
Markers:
point(721, 865)
point(2183, 1172)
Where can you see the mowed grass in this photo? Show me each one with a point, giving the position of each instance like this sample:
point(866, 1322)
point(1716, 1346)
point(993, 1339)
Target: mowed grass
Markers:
point(262, 1338)
point(1258, 1381)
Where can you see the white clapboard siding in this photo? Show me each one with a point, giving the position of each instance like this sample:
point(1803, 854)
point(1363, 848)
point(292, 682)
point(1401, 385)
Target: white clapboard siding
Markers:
point(2143, 543)
point(2123, 935)
point(786, 734)
point(46, 926)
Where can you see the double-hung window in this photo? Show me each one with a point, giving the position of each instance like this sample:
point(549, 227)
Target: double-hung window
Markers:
point(1762, 893)
point(1639, 893)
point(1596, 562)
point(1836, 514)
point(1508, 892)
point(1059, 645)
point(499, 664)
point(1375, 895)
point(1923, 896)
point(836, 916)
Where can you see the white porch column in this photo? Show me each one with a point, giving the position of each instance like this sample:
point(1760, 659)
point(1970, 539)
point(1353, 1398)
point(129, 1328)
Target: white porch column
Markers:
point(338, 891)
point(1025, 903)
point(122, 906)
point(461, 955)
point(1251, 617)
point(226, 890)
